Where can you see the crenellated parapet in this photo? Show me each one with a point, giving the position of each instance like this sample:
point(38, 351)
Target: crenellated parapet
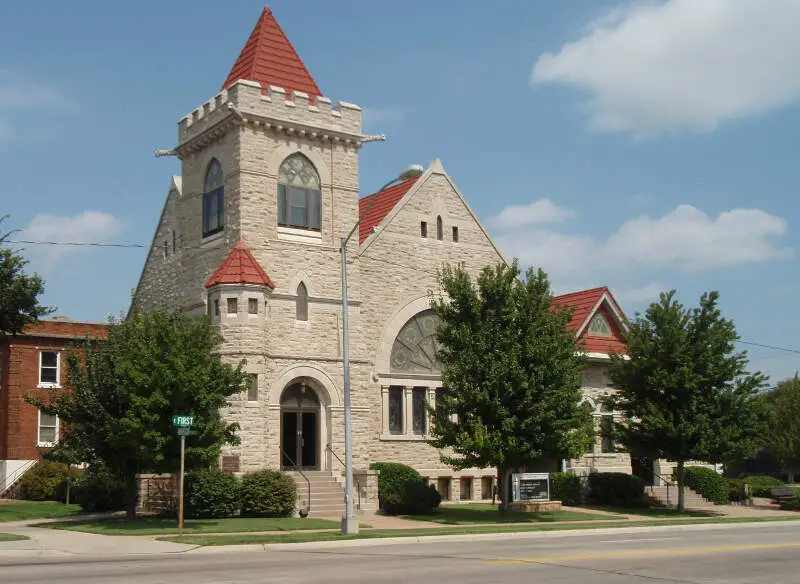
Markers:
point(248, 102)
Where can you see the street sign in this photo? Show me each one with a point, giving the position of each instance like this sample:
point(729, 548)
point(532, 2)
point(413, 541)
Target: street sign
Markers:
point(182, 431)
point(182, 421)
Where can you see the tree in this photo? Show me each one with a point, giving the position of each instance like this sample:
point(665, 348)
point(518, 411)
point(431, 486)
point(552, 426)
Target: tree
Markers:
point(685, 392)
point(511, 373)
point(122, 393)
point(782, 435)
point(19, 293)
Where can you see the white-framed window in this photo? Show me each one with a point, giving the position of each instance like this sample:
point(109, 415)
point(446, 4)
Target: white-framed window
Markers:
point(49, 368)
point(48, 429)
point(599, 326)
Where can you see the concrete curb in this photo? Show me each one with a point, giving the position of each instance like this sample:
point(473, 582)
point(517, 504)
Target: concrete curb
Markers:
point(532, 535)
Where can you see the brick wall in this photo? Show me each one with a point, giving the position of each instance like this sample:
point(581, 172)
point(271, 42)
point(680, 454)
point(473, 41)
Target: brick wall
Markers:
point(19, 421)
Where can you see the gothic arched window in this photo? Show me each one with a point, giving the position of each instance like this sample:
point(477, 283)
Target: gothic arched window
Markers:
point(439, 228)
point(414, 349)
point(213, 199)
point(299, 196)
point(301, 308)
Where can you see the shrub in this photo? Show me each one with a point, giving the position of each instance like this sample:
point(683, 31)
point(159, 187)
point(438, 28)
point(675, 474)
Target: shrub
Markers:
point(791, 505)
point(401, 490)
point(760, 485)
point(708, 483)
point(616, 489)
point(736, 490)
point(268, 493)
point(566, 488)
point(210, 493)
point(44, 481)
point(421, 499)
point(99, 490)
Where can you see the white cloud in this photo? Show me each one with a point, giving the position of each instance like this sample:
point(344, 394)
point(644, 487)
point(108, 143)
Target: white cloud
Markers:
point(651, 67)
point(638, 295)
point(537, 213)
point(86, 227)
point(685, 238)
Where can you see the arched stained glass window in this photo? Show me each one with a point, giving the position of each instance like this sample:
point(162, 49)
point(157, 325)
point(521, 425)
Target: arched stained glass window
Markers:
point(213, 199)
point(414, 349)
point(299, 196)
point(301, 308)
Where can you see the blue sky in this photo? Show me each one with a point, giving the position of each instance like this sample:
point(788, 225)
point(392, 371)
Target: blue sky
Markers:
point(645, 145)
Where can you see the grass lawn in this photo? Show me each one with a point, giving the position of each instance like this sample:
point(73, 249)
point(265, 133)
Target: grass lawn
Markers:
point(13, 510)
point(477, 513)
point(660, 512)
point(160, 525)
point(299, 537)
point(12, 537)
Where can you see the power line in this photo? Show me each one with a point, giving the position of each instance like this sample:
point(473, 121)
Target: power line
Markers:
point(371, 257)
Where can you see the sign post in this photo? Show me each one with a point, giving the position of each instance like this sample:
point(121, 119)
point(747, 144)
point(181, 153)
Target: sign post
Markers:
point(183, 424)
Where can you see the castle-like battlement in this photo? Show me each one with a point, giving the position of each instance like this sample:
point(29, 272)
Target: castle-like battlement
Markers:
point(271, 104)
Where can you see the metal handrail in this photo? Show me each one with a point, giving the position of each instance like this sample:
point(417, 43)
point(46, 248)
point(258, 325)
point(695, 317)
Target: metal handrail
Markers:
point(308, 482)
point(10, 481)
point(667, 483)
point(329, 448)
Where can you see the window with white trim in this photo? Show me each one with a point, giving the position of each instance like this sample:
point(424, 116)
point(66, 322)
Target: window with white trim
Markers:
point(599, 326)
point(48, 429)
point(49, 368)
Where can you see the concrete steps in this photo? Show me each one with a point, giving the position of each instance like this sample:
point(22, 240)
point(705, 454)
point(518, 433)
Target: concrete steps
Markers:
point(668, 497)
point(327, 495)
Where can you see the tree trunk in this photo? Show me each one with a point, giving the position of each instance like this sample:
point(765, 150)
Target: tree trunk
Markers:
point(131, 491)
point(681, 489)
point(791, 477)
point(502, 488)
point(69, 481)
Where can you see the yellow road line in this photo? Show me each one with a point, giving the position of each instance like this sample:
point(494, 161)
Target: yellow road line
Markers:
point(634, 553)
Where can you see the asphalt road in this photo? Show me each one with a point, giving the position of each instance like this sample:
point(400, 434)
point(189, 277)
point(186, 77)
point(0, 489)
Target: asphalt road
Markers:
point(733, 554)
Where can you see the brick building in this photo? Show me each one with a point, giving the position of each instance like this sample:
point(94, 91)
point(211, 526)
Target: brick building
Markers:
point(250, 234)
point(32, 364)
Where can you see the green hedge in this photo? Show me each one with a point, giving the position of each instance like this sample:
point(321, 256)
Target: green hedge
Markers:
point(402, 491)
point(268, 493)
point(736, 490)
point(616, 489)
point(210, 494)
point(708, 483)
point(565, 487)
point(98, 490)
point(760, 485)
point(44, 481)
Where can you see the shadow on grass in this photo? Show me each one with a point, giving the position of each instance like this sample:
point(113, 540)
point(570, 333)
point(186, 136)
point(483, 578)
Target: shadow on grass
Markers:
point(659, 512)
point(14, 510)
point(486, 514)
point(165, 525)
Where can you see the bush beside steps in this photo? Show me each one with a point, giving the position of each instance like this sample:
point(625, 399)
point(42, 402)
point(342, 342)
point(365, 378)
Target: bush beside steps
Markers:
point(403, 491)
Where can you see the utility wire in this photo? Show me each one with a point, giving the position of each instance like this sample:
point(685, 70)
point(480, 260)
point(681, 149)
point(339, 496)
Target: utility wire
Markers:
point(384, 260)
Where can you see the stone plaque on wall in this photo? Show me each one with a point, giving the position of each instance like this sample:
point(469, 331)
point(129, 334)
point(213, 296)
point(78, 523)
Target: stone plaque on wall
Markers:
point(230, 464)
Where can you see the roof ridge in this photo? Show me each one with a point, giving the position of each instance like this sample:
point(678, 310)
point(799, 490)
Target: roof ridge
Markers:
point(384, 201)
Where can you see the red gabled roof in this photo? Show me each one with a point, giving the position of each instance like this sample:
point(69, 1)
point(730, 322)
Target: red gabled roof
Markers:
point(240, 267)
point(269, 58)
point(583, 304)
point(385, 202)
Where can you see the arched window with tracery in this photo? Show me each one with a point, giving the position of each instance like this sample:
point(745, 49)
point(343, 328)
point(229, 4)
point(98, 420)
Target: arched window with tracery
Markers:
point(414, 349)
point(213, 199)
point(301, 308)
point(299, 196)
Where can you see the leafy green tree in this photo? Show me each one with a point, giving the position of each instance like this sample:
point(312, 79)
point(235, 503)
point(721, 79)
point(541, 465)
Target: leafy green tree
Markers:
point(782, 435)
point(19, 293)
point(683, 388)
point(123, 392)
point(511, 372)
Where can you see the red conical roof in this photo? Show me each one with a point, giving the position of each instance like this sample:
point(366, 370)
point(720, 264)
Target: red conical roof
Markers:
point(240, 267)
point(269, 58)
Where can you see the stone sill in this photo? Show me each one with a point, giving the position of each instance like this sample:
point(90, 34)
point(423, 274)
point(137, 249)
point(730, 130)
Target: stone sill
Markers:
point(252, 404)
point(404, 438)
point(49, 386)
point(216, 238)
point(300, 235)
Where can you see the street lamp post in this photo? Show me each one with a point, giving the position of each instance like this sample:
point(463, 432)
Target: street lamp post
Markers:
point(349, 521)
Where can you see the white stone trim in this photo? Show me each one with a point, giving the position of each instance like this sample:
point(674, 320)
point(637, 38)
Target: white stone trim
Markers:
point(295, 235)
point(325, 387)
point(604, 299)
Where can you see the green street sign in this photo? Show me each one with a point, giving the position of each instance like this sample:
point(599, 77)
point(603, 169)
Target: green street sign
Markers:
point(182, 421)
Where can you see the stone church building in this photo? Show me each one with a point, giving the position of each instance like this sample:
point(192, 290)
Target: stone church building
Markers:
point(249, 233)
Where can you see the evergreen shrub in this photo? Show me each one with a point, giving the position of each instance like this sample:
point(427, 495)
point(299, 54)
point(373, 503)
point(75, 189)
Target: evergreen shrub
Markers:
point(98, 490)
point(565, 487)
point(760, 485)
point(402, 491)
point(44, 481)
point(210, 494)
point(268, 493)
point(708, 483)
point(616, 489)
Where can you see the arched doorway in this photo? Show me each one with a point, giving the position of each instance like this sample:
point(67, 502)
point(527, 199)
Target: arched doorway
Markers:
point(300, 427)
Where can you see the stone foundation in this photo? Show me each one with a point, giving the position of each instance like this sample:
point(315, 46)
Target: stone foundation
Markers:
point(365, 490)
point(535, 506)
